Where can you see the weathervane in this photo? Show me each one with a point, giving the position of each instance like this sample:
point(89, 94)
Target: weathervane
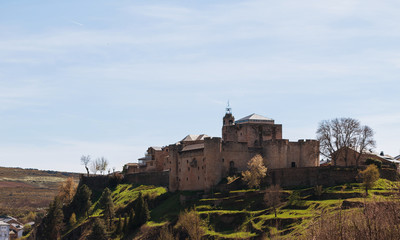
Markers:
point(228, 109)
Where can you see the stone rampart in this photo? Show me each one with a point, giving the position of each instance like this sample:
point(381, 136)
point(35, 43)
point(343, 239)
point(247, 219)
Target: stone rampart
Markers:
point(312, 176)
point(148, 178)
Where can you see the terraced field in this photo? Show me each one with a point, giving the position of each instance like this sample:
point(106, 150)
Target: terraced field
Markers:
point(243, 214)
point(28, 190)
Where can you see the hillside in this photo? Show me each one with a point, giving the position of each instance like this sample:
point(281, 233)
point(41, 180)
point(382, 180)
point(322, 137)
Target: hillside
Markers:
point(28, 190)
point(238, 214)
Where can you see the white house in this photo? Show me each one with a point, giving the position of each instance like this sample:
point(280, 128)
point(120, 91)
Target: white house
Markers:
point(4, 231)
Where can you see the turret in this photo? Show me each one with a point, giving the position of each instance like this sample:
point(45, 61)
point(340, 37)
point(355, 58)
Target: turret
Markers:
point(229, 119)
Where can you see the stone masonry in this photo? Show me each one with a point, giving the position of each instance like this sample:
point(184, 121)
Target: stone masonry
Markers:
point(199, 162)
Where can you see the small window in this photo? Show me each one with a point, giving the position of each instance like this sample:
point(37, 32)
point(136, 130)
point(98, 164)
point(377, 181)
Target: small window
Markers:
point(187, 179)
point(198, 178)
point(189, 169)
point(293, 164)
point(187, 161)
point(223, 160)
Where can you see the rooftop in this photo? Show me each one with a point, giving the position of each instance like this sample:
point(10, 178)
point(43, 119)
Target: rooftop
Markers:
point(254, 118)
point(156, 148)
point(3, 223)
point(194, 137)
point(193, 147)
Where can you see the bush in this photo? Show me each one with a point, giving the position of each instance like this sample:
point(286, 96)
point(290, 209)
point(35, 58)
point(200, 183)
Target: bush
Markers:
point(295, 200)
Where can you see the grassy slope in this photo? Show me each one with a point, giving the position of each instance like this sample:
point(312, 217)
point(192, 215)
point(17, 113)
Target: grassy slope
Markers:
point(242, 214)
point(239, 215)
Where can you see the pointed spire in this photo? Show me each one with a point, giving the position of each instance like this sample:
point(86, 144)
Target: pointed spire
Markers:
point(228, 109)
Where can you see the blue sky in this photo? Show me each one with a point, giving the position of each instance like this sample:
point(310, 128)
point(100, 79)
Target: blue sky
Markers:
point(110, 78)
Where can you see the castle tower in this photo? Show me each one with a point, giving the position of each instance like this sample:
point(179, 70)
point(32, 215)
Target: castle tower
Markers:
point(228, 118)
point(228, 122)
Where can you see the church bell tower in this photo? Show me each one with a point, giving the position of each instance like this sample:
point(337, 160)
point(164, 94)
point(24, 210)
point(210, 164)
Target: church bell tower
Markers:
point(229, 119)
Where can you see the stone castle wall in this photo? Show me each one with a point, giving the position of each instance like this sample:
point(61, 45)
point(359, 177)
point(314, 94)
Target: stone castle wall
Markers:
point(148, 178)
point(252, 134)
point(326, 176)
point(191, 170)
point(285, 154)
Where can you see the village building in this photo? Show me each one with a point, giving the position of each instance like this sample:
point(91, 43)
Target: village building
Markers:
point(14, 227)
point(348, 157)
point(4, 231)
point(199, 162)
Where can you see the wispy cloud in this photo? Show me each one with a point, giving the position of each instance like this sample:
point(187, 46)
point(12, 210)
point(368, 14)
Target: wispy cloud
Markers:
point(76, 23)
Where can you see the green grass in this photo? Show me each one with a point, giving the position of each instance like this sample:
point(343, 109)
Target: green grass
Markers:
point(167, 210)
point(242, 214)
point(229, 234)
point(126, 193)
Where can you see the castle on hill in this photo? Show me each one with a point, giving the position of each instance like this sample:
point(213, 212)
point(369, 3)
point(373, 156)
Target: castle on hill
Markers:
point(199, 162)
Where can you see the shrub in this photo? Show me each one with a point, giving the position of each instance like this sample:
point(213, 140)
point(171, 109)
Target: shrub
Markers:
point(191, 223)
point(72, 219)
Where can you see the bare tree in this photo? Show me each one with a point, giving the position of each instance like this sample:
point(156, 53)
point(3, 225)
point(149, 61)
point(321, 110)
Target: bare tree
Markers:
point(85, 161)
point(256, 171)
point(272, 197)
point(94, 167)
point(98, 165)
point(191, 222)
point(103, 163)
point(338, 135)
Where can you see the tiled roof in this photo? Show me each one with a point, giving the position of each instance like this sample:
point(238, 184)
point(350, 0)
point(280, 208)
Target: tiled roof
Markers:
point(193, 147)
point(157, 148)
point(131, 164)
point(3, 223)
point(194, 137)
point(254, 118)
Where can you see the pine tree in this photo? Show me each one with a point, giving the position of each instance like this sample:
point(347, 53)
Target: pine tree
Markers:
point(125, 226)
point(118, 229)
point(52, 223)
point(107, 205)
point(82, 201)
point(142, 214)
point(131, 221)
point(98, 231)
